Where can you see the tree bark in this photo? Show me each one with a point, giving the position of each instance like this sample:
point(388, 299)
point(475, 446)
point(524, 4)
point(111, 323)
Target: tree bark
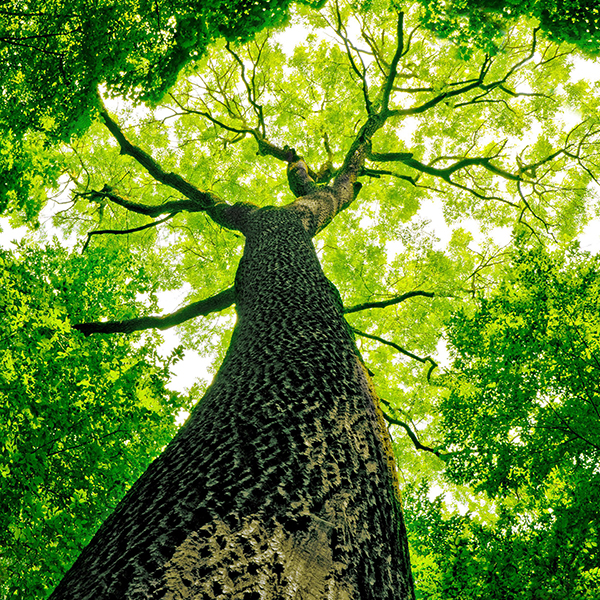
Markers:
point(281, 483)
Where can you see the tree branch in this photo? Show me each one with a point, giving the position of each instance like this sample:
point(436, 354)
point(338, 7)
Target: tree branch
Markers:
point(215, 303)
point(427, 359)
point(204, 200)
point(445, 173)
point(389, 83)
point(231, 217)
point(124, 231)
point(411, 434)
point(384, 303)
point(149, 210)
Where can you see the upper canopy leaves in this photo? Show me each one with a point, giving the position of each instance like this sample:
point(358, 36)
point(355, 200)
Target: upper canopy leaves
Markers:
point(56, 53)
point(482, 23)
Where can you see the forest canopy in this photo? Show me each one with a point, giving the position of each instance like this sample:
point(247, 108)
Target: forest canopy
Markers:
point(477, 110)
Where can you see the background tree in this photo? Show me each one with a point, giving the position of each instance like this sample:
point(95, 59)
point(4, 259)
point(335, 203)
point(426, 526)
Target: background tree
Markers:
point(80, 419)
point(520, 423)
point(431, 120)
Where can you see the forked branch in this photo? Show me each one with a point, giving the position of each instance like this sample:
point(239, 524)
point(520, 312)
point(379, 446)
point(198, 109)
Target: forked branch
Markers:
point(411, 434)
point(231, 217)
point(203, 199)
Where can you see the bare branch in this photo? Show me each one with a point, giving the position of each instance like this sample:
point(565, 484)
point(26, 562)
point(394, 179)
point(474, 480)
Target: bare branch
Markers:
point(215, 303)
point(124, 231)
point(411, 434)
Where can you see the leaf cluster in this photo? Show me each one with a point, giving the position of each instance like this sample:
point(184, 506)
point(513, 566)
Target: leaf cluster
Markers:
point(80, 419)
point(483, 23)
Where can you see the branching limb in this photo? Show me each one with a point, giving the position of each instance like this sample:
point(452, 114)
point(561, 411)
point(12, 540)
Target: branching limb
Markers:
point(415, 110)
point(400, 349)
point(250, 87)
point(226, 215)
point(124, 231)
point(411, 434)
point(391, 301)
point(204, 200)
point(443, 173)
point(109, 193)
point(215, 303)
point(206, 115)
point(361, 73)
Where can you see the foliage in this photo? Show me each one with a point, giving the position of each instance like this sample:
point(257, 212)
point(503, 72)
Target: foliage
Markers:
point(524, 397)
point(503, 138)
point(483, 22)
point(27, 172)
point(531, 550)
point(521, 424)
point(58, 53)
point(80, 419)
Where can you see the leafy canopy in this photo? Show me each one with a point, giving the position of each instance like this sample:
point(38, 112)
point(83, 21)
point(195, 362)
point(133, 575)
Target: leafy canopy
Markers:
point(504, 138)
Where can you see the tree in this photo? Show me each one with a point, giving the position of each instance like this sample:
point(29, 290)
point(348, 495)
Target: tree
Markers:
point(68, 454)
point(520, 422)
point(282, 479)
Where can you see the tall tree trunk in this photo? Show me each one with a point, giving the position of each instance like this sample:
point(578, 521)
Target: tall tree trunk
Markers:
point(280, 484)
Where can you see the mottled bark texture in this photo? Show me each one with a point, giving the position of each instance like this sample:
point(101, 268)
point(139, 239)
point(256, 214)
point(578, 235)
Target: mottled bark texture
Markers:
point(279, 485)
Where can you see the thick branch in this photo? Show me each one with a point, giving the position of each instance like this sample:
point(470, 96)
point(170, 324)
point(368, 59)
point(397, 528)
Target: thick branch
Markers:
point(389, 84)
point(173, 206)
point(219, 211)
point(384, 303)
point(203, 199)
point(215, 303)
